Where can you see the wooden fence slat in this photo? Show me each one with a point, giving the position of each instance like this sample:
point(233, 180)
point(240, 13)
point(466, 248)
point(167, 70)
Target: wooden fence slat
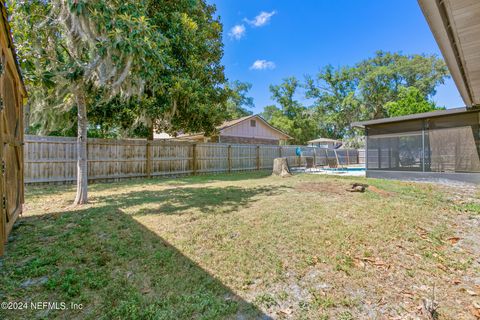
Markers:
point(53, 159)
point(194, 159)
point(229, 158)
point(148, 165)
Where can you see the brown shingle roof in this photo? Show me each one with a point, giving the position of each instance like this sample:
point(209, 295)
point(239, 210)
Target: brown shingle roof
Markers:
point(231, 123)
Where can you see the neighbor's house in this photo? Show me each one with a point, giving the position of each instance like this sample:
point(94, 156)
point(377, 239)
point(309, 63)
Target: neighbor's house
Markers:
point(325, 143)
point(441, 144)
point(247, 130)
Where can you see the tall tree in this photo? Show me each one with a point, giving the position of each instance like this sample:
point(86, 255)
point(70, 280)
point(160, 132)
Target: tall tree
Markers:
point(347, 94)
point(290, 116)
point(238, 102)
point(70, 46)
point(381, 77)
point(191, 94)
point(335, 103)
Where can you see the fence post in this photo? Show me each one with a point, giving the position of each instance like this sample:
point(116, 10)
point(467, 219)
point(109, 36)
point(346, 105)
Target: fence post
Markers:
point(348, 157)
point(229, 158)
point(280, 152)
point(314, 157)
point(194, 158)
point(258, 157)
point(149, 159)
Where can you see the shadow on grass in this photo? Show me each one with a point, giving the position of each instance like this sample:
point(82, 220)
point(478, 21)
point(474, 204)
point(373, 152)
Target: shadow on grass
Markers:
point(48, 189)
point(186, 179)
point(111, 265)
point(179, 200)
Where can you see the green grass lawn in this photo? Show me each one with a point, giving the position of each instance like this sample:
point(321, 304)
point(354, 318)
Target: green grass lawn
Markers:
point(245, 246)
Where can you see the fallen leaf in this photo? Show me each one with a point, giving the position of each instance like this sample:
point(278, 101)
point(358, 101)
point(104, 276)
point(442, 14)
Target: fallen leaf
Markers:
point(453, 240)
point(442, 267)
point(475, 312)
point(422, 232)
point(471, 292)
point(358, 263)
point(456, 282)
point(381, 264)
point(287, 311)
point(407, 293)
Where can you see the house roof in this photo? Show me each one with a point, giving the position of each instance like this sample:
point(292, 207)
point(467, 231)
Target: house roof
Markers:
point(455, 25)
point(431, 114)
point(324, 140)
point(231, 123)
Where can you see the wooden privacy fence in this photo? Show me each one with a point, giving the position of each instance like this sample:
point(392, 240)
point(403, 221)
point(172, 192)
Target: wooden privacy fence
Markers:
point(53, 159)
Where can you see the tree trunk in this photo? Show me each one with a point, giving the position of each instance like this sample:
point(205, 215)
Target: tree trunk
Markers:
point(280, 167)
point(82, 176)
point(26, 118)
point(151, 131)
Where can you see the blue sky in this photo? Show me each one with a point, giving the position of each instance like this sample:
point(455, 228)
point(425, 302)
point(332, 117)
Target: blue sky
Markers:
point(268, 40)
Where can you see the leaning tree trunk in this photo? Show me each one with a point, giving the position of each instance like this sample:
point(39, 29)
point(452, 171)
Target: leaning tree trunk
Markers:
point(82, 176)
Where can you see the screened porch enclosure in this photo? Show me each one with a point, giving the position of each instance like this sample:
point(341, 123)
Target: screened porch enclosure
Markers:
point(448, 144)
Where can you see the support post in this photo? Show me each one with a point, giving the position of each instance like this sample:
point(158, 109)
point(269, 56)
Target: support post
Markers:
point(365, 156)
point(379, 156)
point(423, 147)
point(258, 157)
point(229, 158)
point(194, 158)
point(280, 152)
point(314, 157)
point(348, 157)
point(148, 153)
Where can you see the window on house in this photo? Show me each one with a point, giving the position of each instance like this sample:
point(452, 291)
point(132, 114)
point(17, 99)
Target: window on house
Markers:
point(253, 123)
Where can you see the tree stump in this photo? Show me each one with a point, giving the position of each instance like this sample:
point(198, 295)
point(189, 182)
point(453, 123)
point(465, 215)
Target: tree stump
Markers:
point(280, 167)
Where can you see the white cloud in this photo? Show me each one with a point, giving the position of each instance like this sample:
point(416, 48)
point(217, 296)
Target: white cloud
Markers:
point(262, 19)
point(237, 31)
point(262, 65)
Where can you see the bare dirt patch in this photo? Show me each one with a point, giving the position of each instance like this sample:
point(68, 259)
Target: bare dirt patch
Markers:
point(380, 192)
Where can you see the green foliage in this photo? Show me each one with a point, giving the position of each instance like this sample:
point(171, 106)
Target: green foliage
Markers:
point(291, 116)
point(410, 101)
point(105, 50)
point(388, 84)
point(156, 65)
point(238, 102)
point(361, 92)
point(141, 65)
point(335, 102)
point(188, 95)
point(381, 77)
